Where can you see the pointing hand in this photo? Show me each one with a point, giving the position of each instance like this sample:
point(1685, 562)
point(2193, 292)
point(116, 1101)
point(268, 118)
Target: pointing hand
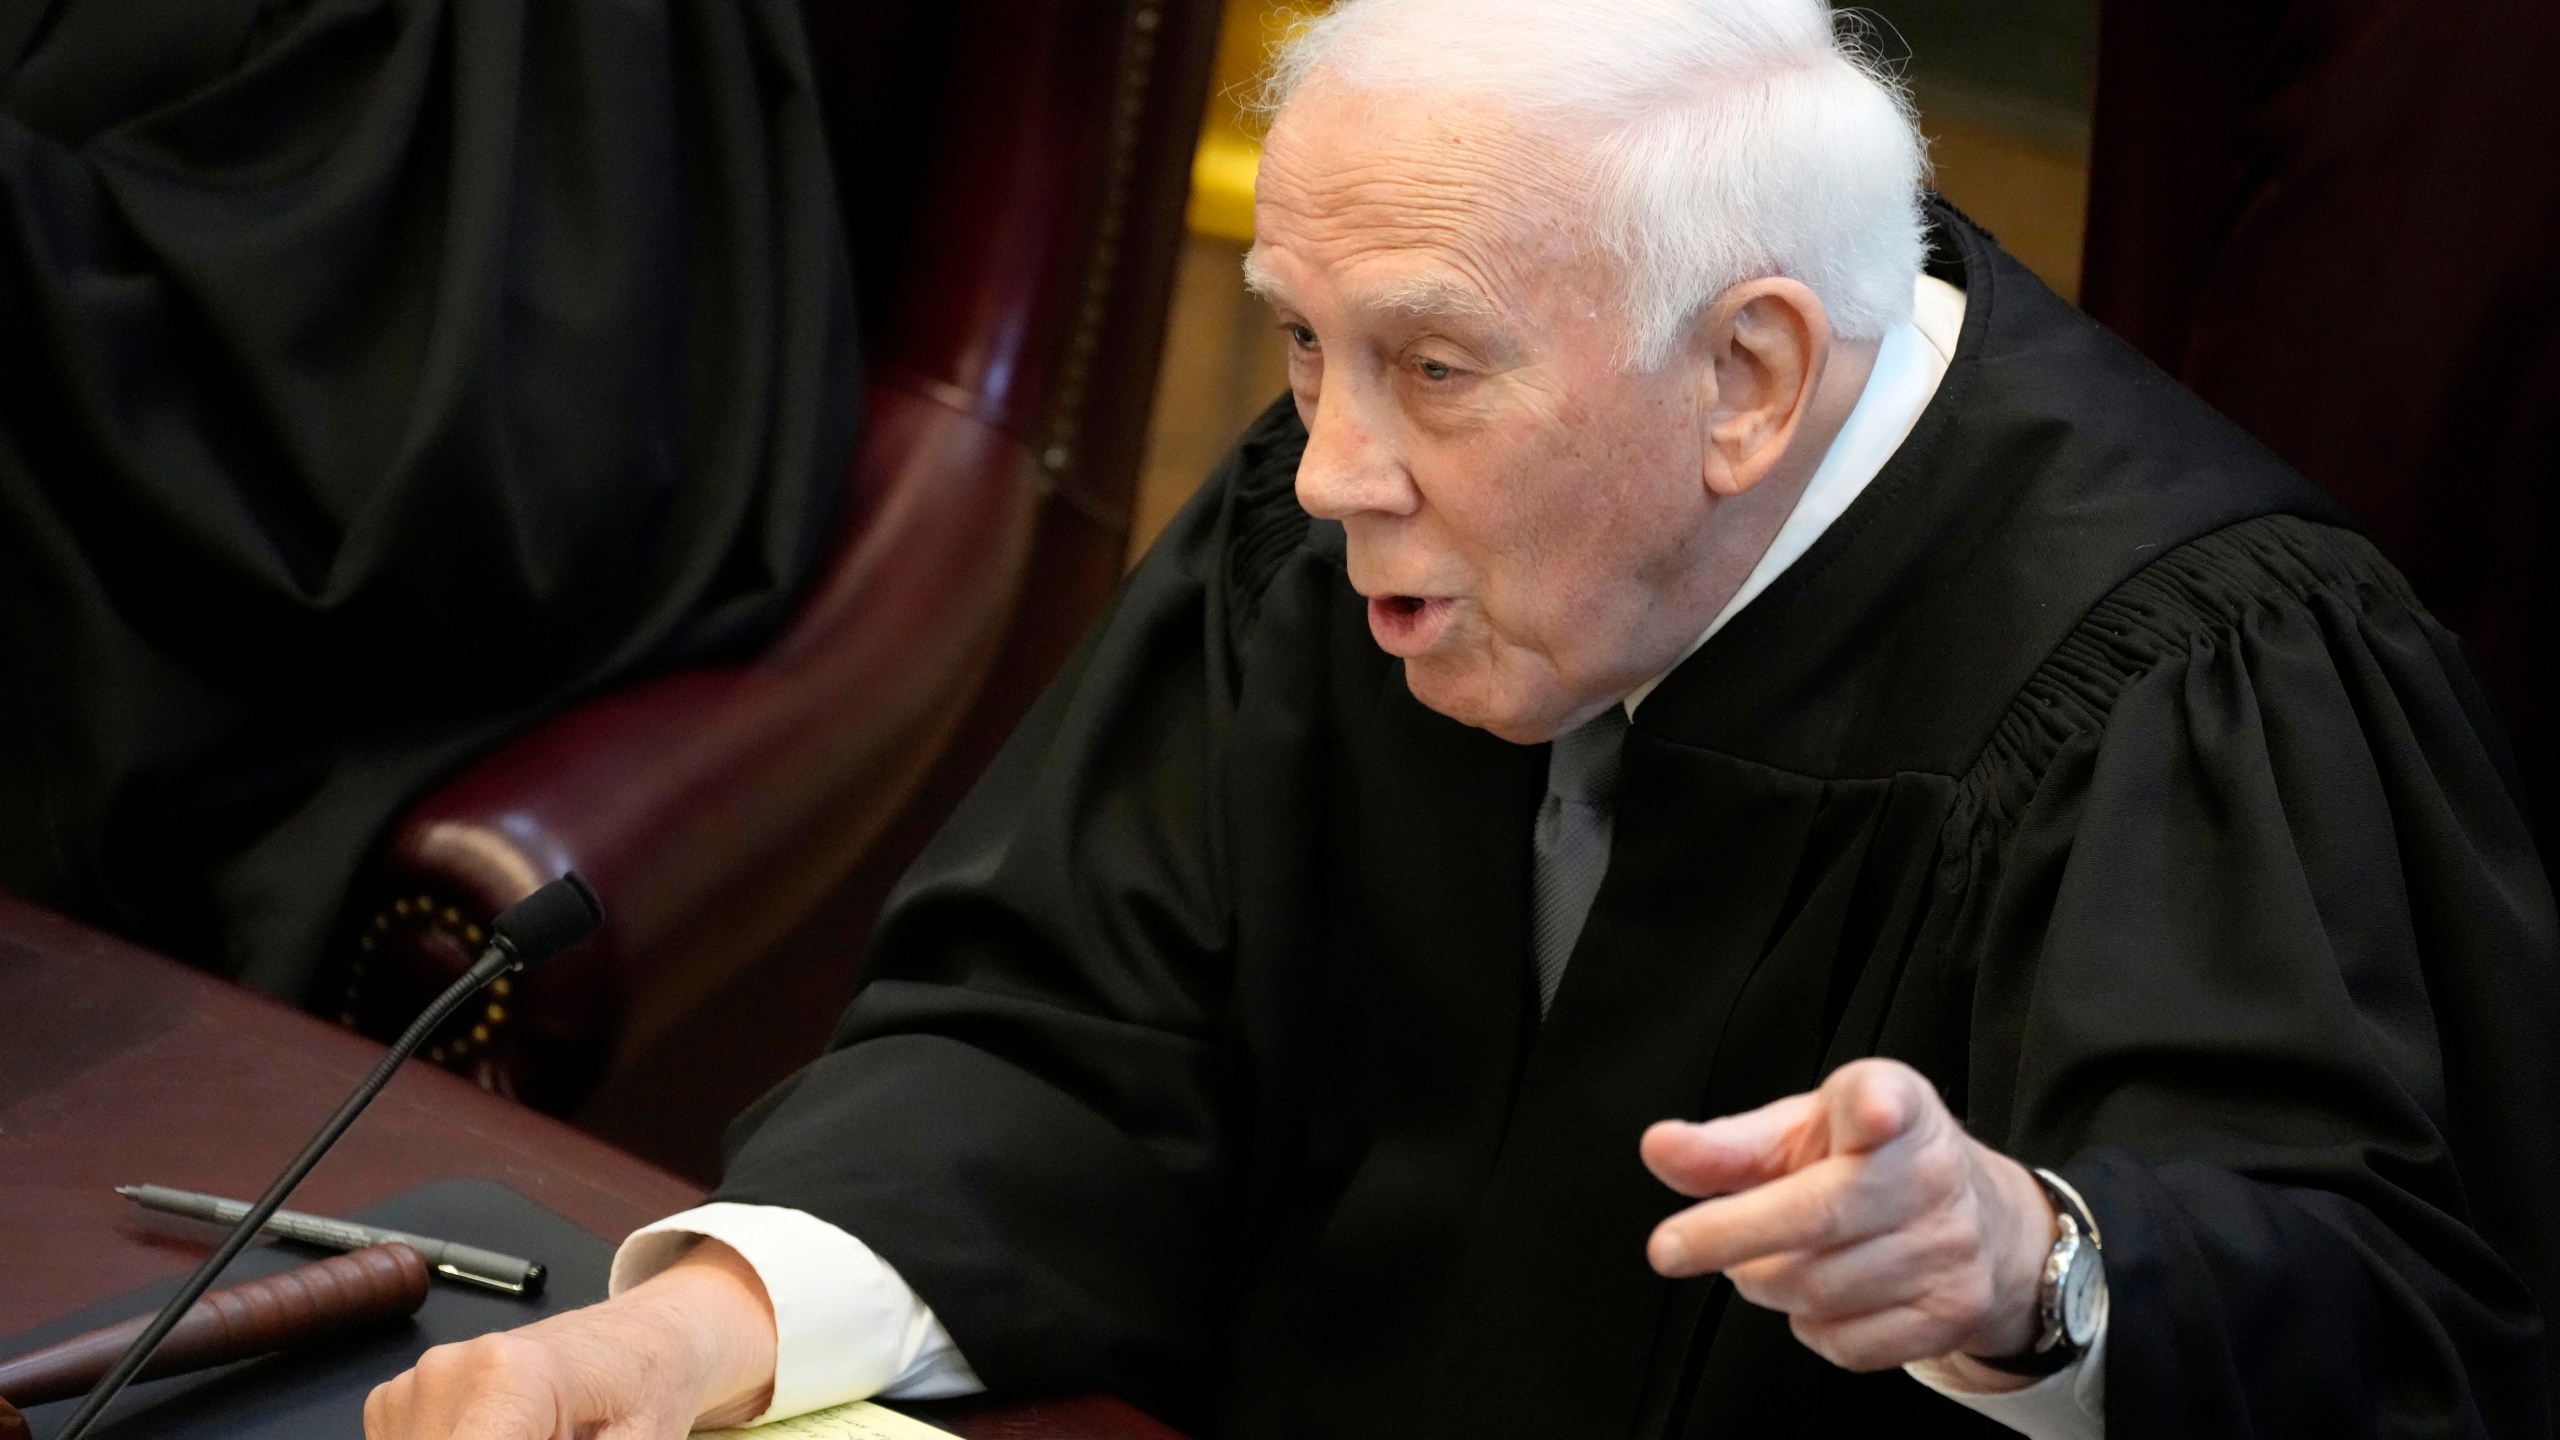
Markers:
point(1865, 1213)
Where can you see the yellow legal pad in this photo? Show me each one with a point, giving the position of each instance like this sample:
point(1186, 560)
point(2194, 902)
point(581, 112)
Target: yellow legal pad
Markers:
point(860, 1420)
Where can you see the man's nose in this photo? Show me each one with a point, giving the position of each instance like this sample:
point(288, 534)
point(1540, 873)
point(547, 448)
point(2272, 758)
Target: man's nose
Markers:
point(1348, 468)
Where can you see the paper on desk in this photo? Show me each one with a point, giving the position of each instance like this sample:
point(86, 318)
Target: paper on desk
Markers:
point(860, 1420)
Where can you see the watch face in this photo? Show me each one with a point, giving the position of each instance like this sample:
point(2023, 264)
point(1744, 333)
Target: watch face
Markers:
point(2080, 1298)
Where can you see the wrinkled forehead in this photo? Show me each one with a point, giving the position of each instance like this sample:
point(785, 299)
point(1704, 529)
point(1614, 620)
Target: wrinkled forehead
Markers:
point(1408, 201)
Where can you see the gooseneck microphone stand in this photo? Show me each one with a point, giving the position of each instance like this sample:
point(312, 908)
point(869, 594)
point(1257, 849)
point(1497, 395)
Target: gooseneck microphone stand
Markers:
point(533, 929)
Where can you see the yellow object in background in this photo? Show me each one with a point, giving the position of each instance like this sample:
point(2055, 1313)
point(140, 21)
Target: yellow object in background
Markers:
point(1222, 172)
point(1222, 169)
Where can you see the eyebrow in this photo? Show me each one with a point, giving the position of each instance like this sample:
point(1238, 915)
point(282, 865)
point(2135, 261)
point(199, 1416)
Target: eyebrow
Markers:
point(1422, 296)
point(1259, 279)
point(1431, 295)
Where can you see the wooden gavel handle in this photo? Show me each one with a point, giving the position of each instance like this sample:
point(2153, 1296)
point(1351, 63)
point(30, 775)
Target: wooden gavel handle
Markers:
point(361, 1287)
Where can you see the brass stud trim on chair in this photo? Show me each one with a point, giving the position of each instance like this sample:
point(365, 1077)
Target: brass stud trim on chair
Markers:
point(465, 1035)
point(1136, 80)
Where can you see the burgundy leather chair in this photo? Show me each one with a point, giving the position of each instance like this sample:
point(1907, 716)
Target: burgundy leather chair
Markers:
point(1013, 175)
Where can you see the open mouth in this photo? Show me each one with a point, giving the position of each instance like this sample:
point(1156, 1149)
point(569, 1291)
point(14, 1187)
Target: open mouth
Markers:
point(1406, 625)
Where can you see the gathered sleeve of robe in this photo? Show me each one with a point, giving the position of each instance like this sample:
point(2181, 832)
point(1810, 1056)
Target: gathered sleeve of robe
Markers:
point(2268, 957)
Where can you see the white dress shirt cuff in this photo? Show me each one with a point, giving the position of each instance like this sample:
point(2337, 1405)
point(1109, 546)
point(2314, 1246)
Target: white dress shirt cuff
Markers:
point(2069, 1404)
point(846, 1327)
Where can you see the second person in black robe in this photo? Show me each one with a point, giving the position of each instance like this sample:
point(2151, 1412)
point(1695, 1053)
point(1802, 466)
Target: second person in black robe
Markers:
point(376, 375)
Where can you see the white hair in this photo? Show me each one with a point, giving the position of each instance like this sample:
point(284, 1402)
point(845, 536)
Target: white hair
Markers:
point(1727, 140)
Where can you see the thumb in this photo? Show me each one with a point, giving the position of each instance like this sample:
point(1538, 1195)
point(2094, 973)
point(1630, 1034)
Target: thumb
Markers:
point(1868, 1104)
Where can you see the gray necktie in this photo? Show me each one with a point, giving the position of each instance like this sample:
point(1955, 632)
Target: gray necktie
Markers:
point(1572, 842)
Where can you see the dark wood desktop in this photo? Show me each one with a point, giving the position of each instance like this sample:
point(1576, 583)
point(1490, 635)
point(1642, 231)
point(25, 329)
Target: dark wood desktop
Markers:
point(118, 1066)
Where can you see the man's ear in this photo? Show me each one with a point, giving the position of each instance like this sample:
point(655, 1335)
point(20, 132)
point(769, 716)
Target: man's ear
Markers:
point(1765, 343)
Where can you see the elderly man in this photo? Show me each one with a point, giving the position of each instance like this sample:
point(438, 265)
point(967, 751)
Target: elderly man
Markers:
point(1707, 636)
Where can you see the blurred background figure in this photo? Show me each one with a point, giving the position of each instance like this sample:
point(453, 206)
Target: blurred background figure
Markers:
point(376, 377)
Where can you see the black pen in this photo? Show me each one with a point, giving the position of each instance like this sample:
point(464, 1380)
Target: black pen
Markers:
point(468, 1264)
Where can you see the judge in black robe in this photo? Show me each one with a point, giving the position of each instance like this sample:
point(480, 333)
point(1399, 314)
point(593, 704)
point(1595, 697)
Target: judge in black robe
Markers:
point(2088, 763)
point(375, 375)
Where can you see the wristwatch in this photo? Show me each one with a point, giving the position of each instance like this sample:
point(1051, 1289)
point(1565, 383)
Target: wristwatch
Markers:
point(2071, 1296)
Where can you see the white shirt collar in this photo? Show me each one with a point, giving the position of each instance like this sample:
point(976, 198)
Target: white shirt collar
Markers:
point(1910, 362)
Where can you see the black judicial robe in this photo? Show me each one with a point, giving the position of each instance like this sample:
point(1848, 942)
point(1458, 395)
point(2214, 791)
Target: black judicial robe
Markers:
point(2087, 763)
point(375, 375)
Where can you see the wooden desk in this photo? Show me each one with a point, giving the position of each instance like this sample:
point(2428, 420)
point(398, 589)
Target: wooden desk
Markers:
point(118, 1066)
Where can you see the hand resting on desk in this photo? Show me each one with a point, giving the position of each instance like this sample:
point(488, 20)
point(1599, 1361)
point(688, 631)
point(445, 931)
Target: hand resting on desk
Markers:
point(692, 1346)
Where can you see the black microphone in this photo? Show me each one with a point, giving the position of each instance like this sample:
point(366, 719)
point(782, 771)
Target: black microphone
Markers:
point(528, 932)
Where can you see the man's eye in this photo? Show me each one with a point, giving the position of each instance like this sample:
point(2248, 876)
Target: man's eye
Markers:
point(1301, 337)
point(1433, 370)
